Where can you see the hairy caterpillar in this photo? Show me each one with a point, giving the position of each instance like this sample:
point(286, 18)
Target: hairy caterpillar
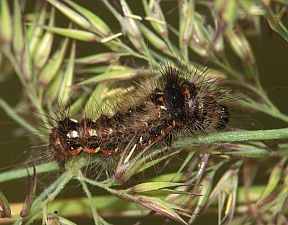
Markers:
point(152, 114)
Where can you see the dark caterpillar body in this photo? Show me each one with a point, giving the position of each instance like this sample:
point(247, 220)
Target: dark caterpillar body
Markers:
point(149, 117)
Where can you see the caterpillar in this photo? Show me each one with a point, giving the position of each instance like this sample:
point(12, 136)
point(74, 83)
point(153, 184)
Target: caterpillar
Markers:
point(152, 114)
